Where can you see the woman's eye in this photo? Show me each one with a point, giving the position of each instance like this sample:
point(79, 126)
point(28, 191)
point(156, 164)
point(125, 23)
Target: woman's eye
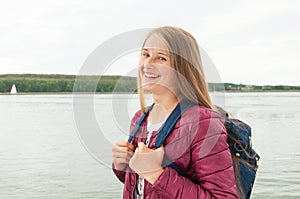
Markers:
point(145, 55)
point(162, 59)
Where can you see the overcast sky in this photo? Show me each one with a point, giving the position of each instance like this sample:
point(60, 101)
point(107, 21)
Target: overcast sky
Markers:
point(252, 42)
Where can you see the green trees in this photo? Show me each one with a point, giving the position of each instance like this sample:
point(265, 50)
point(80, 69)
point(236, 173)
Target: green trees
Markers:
point(65, 83)
point(103, 84)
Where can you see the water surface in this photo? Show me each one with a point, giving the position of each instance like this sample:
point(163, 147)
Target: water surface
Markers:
point(41, 155)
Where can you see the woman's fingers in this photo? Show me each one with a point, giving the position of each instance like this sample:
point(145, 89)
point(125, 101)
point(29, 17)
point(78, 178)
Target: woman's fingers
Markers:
point(122, 152)
point(122, 160)
point(125, 144)
point(121, 155)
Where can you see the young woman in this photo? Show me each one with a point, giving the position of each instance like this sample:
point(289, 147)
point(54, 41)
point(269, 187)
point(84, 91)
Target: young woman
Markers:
point(170, 69)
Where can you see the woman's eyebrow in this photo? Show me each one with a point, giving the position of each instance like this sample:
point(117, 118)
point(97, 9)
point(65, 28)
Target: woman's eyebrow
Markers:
point(158, 52)
point(162, 53)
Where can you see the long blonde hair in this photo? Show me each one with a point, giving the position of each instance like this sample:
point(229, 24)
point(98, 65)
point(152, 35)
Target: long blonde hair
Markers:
point(185, 59)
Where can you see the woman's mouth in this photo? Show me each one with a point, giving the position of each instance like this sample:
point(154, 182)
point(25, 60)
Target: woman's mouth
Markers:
point(151, 76)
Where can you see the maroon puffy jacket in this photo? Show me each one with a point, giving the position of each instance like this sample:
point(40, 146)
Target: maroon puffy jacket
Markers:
point(197, 145)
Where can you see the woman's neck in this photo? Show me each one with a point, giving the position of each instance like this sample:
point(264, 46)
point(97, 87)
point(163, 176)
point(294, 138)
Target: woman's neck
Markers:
point(164, 105)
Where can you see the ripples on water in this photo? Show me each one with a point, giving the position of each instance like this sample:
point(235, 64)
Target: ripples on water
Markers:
point(41, 155)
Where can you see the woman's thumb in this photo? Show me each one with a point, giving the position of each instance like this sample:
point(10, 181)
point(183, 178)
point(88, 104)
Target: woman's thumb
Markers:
point(162, 148)
point(142, 146)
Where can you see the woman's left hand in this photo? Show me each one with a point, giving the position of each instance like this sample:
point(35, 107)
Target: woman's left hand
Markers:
point(147, 162)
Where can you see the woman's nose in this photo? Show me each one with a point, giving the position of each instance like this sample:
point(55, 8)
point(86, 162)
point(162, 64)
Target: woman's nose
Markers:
point(150, 60)
point(148, 66)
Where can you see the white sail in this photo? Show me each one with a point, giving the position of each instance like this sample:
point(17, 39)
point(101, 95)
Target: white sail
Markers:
point(13, 89)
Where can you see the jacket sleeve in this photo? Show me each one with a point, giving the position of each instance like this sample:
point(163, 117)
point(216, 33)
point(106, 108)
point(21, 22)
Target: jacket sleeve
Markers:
point(119, 174)
point(212, 162)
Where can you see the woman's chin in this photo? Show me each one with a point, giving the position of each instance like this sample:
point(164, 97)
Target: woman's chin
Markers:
point(149, 87)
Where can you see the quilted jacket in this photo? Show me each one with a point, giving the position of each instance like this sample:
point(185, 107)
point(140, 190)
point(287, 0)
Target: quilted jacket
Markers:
point(197, 145)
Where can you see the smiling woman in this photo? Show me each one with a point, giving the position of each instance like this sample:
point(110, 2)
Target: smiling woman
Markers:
point(170, 69)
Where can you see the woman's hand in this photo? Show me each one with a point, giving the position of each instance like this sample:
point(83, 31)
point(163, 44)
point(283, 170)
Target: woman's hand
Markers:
point(147, 162)
point(121, 154)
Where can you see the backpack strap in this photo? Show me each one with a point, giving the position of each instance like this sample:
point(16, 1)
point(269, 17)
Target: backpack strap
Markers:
point(137, 126)
point(166, 129)
point(172, 120)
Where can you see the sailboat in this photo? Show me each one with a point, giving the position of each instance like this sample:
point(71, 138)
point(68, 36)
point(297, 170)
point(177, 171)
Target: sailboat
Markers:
point(13, 90)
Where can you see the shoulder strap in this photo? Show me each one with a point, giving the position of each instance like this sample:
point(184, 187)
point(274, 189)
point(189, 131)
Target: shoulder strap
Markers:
point(137, 126)
point(171, 121)
point(166, 128)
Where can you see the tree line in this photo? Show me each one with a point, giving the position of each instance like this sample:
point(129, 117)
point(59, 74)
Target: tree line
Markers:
point(67, 83)
point(103, 84)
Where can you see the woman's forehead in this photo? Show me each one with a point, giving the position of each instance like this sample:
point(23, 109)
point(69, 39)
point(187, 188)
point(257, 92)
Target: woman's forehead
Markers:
point(154, 42)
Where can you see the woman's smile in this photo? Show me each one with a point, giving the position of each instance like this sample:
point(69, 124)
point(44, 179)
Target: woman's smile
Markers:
point(150, 76)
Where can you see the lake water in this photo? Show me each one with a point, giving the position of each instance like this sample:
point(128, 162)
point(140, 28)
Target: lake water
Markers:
point(43, 156)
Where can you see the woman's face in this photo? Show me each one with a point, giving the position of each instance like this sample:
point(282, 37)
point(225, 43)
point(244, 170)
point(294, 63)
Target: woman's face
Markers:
point(155, 67)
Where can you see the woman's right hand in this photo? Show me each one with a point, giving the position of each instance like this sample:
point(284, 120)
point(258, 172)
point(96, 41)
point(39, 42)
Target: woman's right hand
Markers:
point(121, 155)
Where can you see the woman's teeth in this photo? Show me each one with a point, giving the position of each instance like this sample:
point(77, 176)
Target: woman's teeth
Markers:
point(151, 75)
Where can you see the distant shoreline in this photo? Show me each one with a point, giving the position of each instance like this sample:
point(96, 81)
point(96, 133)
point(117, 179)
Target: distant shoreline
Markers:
point(100, 93)
point(40, 84)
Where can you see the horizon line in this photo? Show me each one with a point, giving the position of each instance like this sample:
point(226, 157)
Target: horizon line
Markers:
point(66, 74)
